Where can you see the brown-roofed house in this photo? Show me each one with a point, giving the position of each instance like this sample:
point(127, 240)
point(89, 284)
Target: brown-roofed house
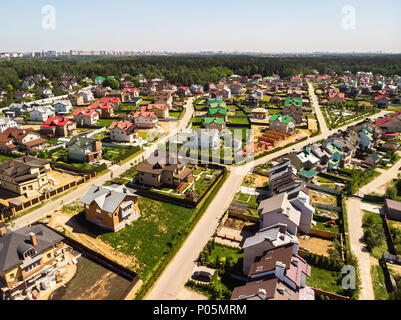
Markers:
point(164, 170)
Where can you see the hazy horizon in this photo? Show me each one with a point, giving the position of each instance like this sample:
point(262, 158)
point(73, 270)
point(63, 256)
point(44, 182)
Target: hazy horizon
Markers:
point(256, 26)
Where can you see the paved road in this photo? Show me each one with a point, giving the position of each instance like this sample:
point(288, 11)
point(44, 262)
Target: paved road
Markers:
point(172, 281)
point(378, 184)
point(117, 170)
point(355, 230)
point(358, 248)
point(315, 103)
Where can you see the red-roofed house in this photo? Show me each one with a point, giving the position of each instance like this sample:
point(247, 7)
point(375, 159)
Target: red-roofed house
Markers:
point(123, 131)
point(382, 101)
point(114, 101)
point(105, 110)
point(145, 119)
point(85, 117)
point(183, 91)
point(296, 82)
point(335, 97)
point(130, 95)
point(59, 127)
point(160, 110)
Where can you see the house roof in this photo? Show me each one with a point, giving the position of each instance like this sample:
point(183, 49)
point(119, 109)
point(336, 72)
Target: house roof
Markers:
point(213, 111)
point(56, 121)
point(108, 198)
point(14, 244)
point(393, 205)
point(209, 120)
point(123, 125)
point(281, 118)
point(290, 101)
point(157, 106)
point(308, 173)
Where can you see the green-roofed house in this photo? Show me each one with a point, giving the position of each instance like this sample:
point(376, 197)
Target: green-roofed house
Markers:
point(291, 101)
point(282, 123)
point(218, 113)
point(308, 174)
point(99, 80)
point(293, 108)
point(213, 123)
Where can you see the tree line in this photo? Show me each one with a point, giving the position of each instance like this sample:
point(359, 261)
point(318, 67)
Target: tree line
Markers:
point(189, 69)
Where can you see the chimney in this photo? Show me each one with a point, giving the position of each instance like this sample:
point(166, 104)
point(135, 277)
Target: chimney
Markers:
point(3, 231)
point(262, 293)
point(283, 228)
point(296, 247)
point(33, 238)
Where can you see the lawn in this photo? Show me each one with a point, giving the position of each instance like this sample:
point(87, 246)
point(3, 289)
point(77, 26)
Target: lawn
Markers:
point(5, 158)
point(220, 251)
point(175, 114)
point(105, 122)
point(379, 285)
point(374, 235)
point(150, 237)
point(117, 153)
point(325, 280)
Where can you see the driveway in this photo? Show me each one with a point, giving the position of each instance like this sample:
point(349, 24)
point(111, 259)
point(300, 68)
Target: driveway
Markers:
point(358, 248)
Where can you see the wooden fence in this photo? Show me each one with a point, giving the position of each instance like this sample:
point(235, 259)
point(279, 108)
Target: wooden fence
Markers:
point(331, 295)
point(10, 211)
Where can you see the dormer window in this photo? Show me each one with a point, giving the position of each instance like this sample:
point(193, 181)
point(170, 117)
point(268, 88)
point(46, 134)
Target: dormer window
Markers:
point(29, 253)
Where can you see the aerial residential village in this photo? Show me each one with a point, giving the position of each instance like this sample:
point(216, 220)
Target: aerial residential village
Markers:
point(79, 191)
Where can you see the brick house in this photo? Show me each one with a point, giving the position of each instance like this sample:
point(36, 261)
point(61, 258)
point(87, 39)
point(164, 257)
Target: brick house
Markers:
point(112, 207)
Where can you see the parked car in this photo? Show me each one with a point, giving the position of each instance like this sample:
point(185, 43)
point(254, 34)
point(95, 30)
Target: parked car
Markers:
point(202, 276)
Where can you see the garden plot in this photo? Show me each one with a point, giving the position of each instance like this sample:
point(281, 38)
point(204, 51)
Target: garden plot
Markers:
point(323, 198)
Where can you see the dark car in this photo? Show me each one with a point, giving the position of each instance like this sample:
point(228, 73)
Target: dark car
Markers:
point(202, 276)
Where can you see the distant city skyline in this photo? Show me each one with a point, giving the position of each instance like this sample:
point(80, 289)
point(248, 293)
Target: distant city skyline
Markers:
point(258, 26)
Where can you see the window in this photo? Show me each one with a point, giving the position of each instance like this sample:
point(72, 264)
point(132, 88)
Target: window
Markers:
point(98, 211)
point(12, 276)
point(99, 218)
point(32, 266)
point(49, 256)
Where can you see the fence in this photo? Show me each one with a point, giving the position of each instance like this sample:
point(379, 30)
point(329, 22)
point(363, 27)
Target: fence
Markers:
point(333, 177)
point(176, 200)
point(10, 211)
point(103, 261)
point(387, 231)
point(327, 207)
point(325, 234)
point(321, 293)
point(323, 189)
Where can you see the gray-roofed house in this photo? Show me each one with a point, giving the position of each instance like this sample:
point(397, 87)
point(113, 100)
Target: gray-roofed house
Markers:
point(111, 207)
point(279, 210)
point(27, 255)
point(265, 239)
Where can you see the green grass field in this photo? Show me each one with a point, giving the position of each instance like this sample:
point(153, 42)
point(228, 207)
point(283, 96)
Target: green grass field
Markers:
point(150, 237)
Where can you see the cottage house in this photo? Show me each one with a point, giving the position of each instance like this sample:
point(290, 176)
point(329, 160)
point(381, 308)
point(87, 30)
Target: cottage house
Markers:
point(112, 207)
point(123, 131)
point(85, 117)
point(58, 127)
point(166, 171)
point(82, 149)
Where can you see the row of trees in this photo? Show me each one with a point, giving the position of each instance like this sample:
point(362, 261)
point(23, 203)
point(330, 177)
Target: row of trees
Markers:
point(188, 69)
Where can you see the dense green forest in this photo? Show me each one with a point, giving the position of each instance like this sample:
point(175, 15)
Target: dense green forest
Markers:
point(188, 69)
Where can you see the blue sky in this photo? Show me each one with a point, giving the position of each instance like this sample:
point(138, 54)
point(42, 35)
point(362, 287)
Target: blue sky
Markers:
point(182, 25)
